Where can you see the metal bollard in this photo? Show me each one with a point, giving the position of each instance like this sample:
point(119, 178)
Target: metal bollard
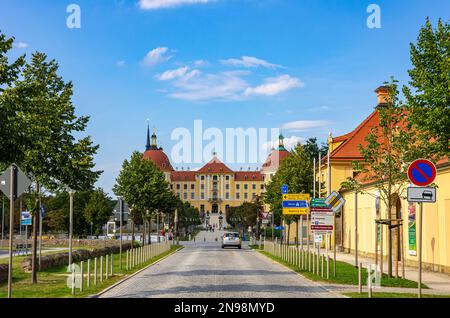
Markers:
point(88, 282)
point(360, 278)
point(101, 269)
point(328, 266)
point(95, 271)
point(81, 275)
point(323, 258)
point(73, 278)
point(112, 265)
point(107, 267)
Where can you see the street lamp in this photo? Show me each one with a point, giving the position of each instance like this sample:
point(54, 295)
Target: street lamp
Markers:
point(71, 194)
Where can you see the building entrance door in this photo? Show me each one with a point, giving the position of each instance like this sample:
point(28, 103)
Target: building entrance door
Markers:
point(215, 208)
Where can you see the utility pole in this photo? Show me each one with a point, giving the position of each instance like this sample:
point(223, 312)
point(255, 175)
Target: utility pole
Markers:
point(356, 228)
point(71, 194)
point(120, 230)
point(11, 227)
point(3, 217)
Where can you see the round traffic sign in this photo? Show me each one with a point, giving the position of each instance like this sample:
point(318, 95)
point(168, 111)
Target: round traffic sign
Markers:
point(422, 172)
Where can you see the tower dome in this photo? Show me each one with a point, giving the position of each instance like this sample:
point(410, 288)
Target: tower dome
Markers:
point(155, 154)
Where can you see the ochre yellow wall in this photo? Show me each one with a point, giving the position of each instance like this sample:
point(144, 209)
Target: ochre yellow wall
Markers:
point(436, 225)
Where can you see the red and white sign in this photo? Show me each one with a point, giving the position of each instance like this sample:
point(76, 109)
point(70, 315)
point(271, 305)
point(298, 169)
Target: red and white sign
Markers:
point(322, 222)
point(264, 215)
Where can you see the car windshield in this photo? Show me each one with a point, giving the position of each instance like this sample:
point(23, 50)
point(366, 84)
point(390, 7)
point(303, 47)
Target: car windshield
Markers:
point(232, 235)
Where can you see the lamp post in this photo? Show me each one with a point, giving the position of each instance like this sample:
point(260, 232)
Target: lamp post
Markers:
point(71, 194)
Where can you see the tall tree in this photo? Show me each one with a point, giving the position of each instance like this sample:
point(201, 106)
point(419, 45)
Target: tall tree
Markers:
point(48, 150)
point(98, 210)
point(144, 188)
point(297, 172)
point(429, 101)
point(9, 72)
point(390, 147)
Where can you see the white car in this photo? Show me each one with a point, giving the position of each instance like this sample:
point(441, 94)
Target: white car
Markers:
point(231, 239)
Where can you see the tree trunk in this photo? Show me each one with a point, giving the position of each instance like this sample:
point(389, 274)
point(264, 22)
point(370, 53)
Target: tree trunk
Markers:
point(288, 234)
point(132, 234)
point(390, 239)
point(35, 241)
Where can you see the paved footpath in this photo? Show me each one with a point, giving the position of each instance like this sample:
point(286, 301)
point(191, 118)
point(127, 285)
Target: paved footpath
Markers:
point(204, 269)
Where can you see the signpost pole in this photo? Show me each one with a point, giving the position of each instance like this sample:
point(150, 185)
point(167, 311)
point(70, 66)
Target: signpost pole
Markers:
point(3, 217)
point(11, 227)
point(120, 230)
point(419, 284)
point(314, 177)
point(320, 176)
point(71, 193)
point(334, 245)
point(40, 234)
point(356, 228)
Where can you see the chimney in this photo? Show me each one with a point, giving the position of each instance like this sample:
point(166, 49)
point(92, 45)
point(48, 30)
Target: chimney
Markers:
point(382, 95)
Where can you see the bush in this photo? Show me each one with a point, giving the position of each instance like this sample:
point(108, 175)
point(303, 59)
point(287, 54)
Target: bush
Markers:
point(62, 259)
point(3, 273)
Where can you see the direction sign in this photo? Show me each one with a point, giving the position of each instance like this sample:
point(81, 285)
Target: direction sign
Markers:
point(21, 182)
point(265, 221)
point(322, 222)
point(421, 194)
point(422, 172)
point(317, 238)
point(295, 204)
point(335, 201)
point(25, 218)
point(284, 189)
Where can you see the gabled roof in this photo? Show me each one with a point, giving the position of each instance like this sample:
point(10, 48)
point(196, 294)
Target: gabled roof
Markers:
point(215, 166)
point(349, 150)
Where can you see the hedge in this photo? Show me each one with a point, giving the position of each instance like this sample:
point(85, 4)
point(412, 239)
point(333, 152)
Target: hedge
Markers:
point(3, 273)
point(61, 259)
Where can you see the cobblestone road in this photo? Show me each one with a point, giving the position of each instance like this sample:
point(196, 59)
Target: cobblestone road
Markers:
point(203, 269)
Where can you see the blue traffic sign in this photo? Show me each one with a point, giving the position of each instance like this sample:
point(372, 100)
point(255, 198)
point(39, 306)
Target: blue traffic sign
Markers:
point(295, 204)
point(25, 218)
point(284, 189)
point(43, 211)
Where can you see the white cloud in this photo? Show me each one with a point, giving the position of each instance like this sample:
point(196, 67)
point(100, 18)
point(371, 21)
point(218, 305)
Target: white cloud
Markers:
point(289, 143)
point(249, 61)
point(20, 45)
point(302, 125)
point(156, 56)
point(160, 4)
point(199, 63)
point(120, 63)
point(221, 86)
point(274, 86)
point(171, 74)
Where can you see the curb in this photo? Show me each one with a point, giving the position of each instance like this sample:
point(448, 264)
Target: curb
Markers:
point(132, 275)
point(338, 295)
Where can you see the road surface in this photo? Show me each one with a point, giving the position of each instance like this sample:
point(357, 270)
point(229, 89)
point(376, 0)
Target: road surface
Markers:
point(204, 269)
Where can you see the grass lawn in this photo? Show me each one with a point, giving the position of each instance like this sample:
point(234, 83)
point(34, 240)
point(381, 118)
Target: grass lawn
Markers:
point(347, 274)
point(393, 295)
point(52, 283)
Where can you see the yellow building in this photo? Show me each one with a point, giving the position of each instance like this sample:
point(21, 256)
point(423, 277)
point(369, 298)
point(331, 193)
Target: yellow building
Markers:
point(215, 187)
point(436, 216)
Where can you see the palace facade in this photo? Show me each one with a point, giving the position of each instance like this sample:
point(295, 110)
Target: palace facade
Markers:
point(215, 187)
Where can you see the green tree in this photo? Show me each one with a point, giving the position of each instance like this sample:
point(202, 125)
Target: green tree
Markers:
point(98, 210)
point(429, 102)
point(390, 147)
point(9, 72)
point(46, 124)
point(143, 186)
point(297, 172)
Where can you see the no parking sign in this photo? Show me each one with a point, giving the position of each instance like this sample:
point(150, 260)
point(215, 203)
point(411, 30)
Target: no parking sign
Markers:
point(422, 172)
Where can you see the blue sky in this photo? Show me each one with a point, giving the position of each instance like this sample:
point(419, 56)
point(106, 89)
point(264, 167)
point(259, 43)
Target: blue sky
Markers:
point(308, 67)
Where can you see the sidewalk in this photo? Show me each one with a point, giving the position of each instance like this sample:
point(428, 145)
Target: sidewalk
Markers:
point(437, 282)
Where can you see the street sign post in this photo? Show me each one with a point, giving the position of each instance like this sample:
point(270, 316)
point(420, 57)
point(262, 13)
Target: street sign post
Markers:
point(422, 172)
point(13, 183)
point(295, 204)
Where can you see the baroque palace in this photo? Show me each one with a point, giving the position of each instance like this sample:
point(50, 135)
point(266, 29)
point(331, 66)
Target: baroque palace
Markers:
point(215, 187)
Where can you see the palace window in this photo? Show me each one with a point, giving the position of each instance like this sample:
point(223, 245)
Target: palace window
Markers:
point(178, 186)
point(192, 195)
point(202, 196)
point(227, 186)
point(254, 186)
point(245, 196)
point(227, 178)
point(192, 186)
point(202, 187)
point(253, 195)
point(185, 187)
point(227, 195)
point(214, 178)
point(238, 196)
point(185, 195)
point(245, 186)
point(202, 178)
point(262, 186)
point(237, 186)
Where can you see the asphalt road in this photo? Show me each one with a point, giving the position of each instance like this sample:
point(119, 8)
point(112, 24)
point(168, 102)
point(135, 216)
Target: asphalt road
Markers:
point(204, 269)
